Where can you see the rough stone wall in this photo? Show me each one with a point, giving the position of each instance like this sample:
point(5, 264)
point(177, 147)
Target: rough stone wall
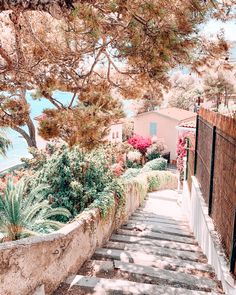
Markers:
point(29, 263)
point(47, 260)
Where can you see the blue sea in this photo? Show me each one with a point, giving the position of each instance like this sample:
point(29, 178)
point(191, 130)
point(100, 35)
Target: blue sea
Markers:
point(19, 147)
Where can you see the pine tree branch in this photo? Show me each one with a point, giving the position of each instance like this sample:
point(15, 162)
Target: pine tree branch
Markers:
point(49, 6)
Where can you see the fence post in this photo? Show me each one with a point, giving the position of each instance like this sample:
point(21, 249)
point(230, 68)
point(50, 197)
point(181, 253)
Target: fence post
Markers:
point(186, 170)
point(212, 170)
point(233, 253)
point(196, 146)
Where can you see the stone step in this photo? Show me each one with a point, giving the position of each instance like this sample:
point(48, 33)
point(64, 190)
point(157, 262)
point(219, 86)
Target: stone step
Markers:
point(152, 212)
point(156, 228)
point(160, 222)
point(159, 218)
point(168, 199)
point(147, 274)
point(158, 250)
point(138, 257)
point(155, 243)
point(101, 286)
point(157, 236)
point(117, 269)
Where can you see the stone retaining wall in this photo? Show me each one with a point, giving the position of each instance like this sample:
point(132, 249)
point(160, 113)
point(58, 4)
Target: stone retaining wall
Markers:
point(47, 260)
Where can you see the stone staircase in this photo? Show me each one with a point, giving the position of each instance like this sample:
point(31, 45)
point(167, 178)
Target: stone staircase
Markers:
point(154, 253)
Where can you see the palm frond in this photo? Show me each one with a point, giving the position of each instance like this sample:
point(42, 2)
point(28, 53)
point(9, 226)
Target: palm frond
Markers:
point(57, 211)
point(23, 215)
point(4, 145)
point(47, 223)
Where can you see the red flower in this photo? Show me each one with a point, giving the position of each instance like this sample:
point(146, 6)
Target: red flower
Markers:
point(181, 151)
point(140, 143)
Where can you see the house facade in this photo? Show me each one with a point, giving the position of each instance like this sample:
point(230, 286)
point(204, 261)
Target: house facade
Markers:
point(115, 133)
point(162, 124)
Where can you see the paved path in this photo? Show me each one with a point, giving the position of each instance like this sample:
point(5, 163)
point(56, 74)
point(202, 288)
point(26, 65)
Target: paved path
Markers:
point(154, 253)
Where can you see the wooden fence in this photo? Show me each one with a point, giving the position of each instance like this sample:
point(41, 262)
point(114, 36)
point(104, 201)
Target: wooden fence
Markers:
point(215, 168)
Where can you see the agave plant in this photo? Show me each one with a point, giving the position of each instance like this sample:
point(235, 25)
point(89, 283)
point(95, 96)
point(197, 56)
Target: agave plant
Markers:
point(24, 215)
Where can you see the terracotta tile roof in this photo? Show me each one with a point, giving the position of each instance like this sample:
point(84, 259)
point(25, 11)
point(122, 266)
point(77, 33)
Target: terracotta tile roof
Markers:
point(177, 114)
point(173, 113)
point(188, 124)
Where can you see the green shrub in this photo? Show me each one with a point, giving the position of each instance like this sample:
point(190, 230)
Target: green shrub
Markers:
point(137, 185)
point(39, 158)
point(155, 150)
point(130, 164)
point(153, 183)
point(153, 156)
point(158, 180)
point(156, 164)
point(75, 180)
point(131, 172)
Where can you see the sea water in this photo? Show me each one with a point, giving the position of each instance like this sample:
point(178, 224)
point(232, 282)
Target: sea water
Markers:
point(19, 148)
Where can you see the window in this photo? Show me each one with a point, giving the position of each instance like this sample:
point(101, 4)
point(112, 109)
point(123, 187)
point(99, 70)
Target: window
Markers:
point(117, 134)
point(153, 129)
point(113, 135)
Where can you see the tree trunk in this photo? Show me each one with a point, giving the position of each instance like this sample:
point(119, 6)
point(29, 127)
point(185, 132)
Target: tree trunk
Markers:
point(30, 141)
point(32, 132)
point(31, 136)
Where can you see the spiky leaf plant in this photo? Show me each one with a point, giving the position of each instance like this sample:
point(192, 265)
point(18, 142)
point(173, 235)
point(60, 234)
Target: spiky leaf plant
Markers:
point(4, 144)
point(25, 215)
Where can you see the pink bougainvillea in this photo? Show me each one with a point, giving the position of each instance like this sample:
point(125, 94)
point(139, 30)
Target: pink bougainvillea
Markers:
point(140, 143)
point(181, 151)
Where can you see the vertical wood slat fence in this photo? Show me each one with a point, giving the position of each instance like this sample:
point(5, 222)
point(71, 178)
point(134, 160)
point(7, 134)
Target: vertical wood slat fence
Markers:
point(215, 168)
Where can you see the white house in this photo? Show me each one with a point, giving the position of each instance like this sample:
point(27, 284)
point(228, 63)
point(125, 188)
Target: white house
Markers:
point(115, 133)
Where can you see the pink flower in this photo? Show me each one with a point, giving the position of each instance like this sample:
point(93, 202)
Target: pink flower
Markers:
point(181, 151)
point(140, 143)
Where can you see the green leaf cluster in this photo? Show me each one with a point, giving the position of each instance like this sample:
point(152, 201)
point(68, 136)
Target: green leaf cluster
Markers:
point(76, 179)
point(156, 164)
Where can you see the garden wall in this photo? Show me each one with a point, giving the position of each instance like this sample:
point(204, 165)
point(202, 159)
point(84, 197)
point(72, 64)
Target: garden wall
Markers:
point(196, 210)
point(47, 260)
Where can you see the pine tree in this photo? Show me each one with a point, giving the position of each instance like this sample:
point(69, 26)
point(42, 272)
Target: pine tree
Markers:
point(112, 48)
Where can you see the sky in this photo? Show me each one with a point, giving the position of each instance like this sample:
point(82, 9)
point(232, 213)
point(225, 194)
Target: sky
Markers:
point(213, 26)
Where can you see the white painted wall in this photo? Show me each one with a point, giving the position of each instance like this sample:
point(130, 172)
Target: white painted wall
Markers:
point(115, 133)
point(202, 225)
